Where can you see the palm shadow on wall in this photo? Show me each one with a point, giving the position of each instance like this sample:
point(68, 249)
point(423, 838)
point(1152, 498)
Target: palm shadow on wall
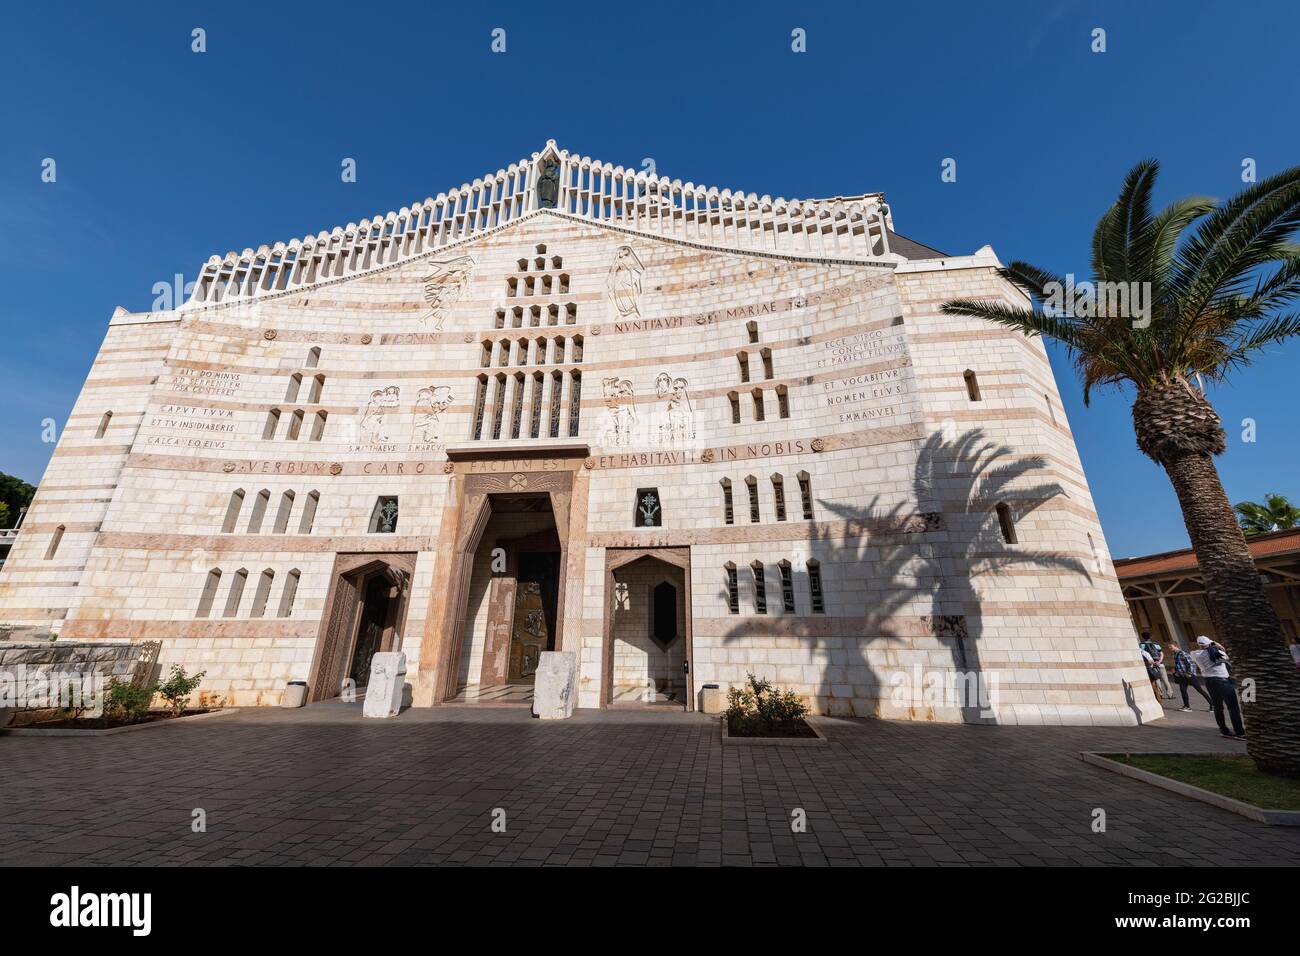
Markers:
point(922, 559)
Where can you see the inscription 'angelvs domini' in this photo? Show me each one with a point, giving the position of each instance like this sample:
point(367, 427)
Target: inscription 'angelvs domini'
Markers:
point(436, 431)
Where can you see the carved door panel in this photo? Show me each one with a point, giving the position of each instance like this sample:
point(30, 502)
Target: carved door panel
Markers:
point(528, 635)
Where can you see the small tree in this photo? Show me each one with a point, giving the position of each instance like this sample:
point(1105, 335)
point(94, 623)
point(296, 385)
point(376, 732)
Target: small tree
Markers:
point(126, 702)
point(1275, 514)
point(178, 686)
point(760, 707)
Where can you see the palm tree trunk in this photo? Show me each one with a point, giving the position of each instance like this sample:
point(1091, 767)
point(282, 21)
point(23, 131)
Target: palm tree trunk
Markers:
point(1247, 624)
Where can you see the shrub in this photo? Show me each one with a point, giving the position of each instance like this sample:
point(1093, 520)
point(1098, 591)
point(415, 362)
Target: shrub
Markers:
point(178, 686)
point(761, 707)
point(124, 701)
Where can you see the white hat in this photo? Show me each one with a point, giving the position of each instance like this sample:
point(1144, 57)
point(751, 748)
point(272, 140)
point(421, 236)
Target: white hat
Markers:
point(1204, 641)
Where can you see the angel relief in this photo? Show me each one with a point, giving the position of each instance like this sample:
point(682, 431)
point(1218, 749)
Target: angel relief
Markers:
point(444, 286)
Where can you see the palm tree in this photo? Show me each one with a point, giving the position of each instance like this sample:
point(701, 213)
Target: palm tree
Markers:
point(1219, 279)
point(1275, 514)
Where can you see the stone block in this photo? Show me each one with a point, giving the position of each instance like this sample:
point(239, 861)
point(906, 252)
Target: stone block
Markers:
point(555, 689)
point(387, 685)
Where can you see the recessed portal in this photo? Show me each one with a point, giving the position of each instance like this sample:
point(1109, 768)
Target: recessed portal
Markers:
point(649, 645)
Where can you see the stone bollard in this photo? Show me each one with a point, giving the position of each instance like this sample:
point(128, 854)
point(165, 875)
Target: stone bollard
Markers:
point(556, 687)
point(387, 684)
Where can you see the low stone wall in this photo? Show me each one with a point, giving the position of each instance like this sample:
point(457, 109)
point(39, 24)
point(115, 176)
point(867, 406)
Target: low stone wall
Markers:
point(33, 669)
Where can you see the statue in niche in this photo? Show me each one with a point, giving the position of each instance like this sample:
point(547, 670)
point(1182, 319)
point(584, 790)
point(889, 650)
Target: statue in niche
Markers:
point(624, 283)
point(621, 414)
point(443, 287)
point(374, 423)
point(548, 183)
point(678, 426)
point(429, 404)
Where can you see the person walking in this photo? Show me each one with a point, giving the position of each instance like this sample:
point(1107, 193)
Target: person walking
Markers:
point(1152, 647)
point(1185, 673)
point(1153, 675)
point(1213, 662)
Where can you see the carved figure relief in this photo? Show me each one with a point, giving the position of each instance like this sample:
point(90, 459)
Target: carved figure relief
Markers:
point(620, 412)
point(624, 284)
point(444, 285)
point(374, 427)
point(430, 402)
point(678, 425)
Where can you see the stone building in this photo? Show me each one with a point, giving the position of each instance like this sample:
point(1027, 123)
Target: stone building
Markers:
point(685, 432)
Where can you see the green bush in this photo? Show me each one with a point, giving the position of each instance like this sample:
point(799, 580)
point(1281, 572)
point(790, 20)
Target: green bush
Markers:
point(124, 701)
point(760, 707)
point(178, 686)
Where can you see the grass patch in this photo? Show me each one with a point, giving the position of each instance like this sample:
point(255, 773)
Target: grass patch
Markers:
point(1230, 775)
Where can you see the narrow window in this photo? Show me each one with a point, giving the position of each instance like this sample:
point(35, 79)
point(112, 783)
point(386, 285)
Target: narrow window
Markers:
point(498, 405)
point(232, 511)
point(503, 356)
point(575, 402)
point(383, 519)
point(743, 359)
point(209, 595)
point(262, 594)
point(760, 588)
point(557, 262)
point(283, 512)
point(577, 348)
point(259, 511)
point(564, 283)
point(103, 424)
point(541, 248)
point(734, 399)
point(289, 593)
point(570, 314)
point(1006, 523)
point(522, 265)
point(752, 327)
point(517, 318)
point(530, 286)
point(783, 401)
point(559, 350)
point(55, 540)
point(539, 263)
point(291, 391)
point(535, 316)
point(313, 358)
point(805, 495)
point(733, 589)
point(485, 360)
point(778, 494)
point(972, 385)
point(760, 413)
point(1051, 409)
point(553, 315)
point(512, 287)
point(272, 423)
point(752, 484)
point(317, 386)
point(480, 402)
point(517, 410)
point(539, 352)
point(546, 283)
point(767, 362)
point(557, 390)
point(308, 518)
point(500, 320)
point(295, 425)
point(318, 425)
point(236, 593)
point(535, 424)
point(728, 509)
point(815, 586)
point(787, 587)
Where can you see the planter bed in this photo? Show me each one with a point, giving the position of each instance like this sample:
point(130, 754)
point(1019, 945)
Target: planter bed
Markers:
point(805, 734)
point(1118, 763)
point(93, 728)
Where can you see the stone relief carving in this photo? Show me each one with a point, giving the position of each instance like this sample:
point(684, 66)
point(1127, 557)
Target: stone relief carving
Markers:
point(444, 285)
point(430, 402)
point(620, 413)
point(374, 427)
point(679, 417)
point(624, 284)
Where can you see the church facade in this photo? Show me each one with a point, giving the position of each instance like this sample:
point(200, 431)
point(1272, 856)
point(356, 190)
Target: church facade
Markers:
point(686, 433)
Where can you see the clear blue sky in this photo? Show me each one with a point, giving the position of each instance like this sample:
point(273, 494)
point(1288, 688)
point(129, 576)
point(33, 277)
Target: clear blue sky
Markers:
point(166, 156)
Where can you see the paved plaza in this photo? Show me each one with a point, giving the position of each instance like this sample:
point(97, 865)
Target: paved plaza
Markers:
point(321, 785)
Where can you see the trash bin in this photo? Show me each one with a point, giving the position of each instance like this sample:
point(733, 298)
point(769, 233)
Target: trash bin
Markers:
point(295, 694)
point(711, 699)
